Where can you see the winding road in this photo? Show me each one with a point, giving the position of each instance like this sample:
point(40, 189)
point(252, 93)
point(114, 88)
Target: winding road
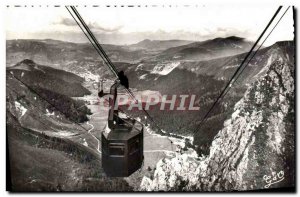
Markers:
point(89, 132)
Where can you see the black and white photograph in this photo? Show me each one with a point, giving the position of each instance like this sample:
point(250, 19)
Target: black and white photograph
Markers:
point(150, 98)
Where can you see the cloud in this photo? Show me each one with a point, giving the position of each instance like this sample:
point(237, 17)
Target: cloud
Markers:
point(67, 22)
point(95, 26)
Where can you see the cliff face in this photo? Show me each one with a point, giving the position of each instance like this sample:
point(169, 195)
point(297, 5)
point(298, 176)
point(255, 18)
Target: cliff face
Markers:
point(254, 150)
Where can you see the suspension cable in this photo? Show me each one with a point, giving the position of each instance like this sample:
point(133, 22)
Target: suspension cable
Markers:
point(92, 39)
point(104, 56)
point(233, 79)
point(93, 44)
point(256, 51)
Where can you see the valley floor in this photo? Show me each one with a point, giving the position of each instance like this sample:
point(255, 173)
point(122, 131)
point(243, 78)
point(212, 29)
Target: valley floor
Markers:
point(52, 168)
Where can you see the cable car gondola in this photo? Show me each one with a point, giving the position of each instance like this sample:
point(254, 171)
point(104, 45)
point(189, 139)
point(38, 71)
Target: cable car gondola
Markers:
point(122, 141)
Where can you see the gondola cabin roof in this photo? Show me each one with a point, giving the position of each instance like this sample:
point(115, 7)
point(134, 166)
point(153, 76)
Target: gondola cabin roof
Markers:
point(124, 131)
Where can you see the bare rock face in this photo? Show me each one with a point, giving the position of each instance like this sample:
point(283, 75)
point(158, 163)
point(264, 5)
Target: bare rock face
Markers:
point(254, 150)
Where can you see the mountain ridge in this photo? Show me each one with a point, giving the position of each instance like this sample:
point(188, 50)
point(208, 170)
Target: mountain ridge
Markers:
point(208, 49)
point(36, 75)
point(255, 146)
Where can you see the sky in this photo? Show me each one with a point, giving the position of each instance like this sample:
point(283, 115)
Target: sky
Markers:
point(127, 25)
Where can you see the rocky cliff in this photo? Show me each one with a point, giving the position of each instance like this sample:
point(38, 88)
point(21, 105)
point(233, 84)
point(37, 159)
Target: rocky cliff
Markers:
point(255, 148)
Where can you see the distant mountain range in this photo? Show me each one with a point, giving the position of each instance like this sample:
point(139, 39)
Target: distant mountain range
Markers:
point(210, 49)
point(58, 52)
point(155, 45)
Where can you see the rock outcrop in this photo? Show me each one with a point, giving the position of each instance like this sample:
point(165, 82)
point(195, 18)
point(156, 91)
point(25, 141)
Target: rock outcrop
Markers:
point(254, 150)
